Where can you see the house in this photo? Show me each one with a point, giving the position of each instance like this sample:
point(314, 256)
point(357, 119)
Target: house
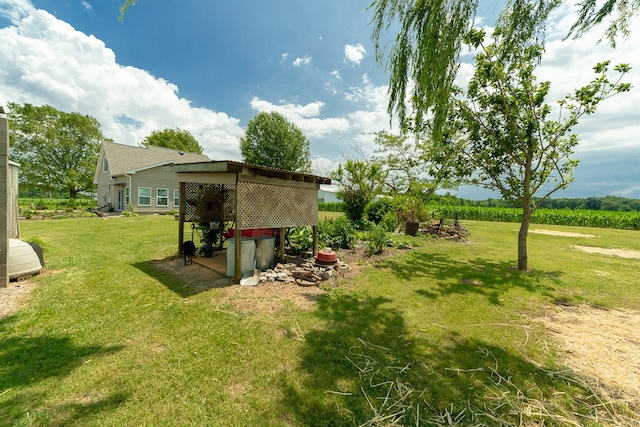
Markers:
point(135, 176)
point(327, 194)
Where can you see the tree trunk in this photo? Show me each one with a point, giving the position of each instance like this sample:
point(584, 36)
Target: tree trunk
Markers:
point(522, 237)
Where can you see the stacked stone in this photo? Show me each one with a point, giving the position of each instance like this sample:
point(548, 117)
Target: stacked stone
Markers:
point(308, 274)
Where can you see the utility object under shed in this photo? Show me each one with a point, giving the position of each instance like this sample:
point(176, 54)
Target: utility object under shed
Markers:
point(247, 197)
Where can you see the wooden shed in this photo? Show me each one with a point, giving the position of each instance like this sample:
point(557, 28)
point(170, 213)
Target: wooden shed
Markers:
point(247, 197)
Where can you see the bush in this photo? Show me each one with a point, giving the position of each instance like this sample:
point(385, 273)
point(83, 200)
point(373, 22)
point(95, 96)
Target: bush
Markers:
point(300, 239)
point(337, 233)
point(41, 205)
point(331, 207)
point(377, 209)
point(376, 240)
point(389, 222)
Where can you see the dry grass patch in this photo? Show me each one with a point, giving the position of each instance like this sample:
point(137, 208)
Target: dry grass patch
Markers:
point(560, 233)
point(622, 253)
point(601, 344)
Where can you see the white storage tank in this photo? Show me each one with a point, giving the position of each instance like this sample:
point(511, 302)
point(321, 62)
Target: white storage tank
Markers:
point(247, 256)
point(23, 259)
point(265, 248)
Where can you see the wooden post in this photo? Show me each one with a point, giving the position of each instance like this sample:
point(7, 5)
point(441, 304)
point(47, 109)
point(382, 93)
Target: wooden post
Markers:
point(4, 200)
point(181, 218)
point(283, 235)
point(237, 236)
point(315, 240)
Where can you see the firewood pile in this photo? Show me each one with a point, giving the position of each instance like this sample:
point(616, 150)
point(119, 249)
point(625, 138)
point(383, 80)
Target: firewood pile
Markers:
point(310, 273)
point(453, 231)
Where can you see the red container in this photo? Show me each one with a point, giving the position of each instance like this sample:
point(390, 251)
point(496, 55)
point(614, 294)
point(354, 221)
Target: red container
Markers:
point(327, 255)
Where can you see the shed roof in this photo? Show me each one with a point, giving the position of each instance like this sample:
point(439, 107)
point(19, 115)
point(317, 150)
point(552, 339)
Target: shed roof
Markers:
point(128, 159)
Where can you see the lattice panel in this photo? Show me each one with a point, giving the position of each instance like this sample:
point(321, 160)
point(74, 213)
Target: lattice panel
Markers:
point(208, 202)
point(275, 206)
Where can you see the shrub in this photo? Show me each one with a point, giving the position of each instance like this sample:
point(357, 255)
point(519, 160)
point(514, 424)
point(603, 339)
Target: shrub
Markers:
point(389, 222)
point(331, 207)
point(41, 205)
point(377, 209)
point(337, 233)
point(376, 240)
point(300, 239)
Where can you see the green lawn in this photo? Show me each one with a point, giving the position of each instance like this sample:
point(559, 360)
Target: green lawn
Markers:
point(438, 334)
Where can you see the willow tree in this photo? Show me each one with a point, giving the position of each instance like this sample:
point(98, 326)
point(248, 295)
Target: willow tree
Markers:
point(422, 58)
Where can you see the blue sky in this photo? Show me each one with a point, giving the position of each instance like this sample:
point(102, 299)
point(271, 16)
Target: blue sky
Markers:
point(209, 67)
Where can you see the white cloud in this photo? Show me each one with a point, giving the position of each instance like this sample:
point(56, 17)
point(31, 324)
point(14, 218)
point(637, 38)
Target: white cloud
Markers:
point(46, 61)
point(335, 74)
point(86, 5)
point(304, 116)
point(284, 57)
point(299, 62)
point(354, 53)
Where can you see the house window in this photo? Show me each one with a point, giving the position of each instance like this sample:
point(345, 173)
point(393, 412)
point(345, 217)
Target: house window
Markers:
point(176, 197)
point(144, 196)
point(127, 196)
point(105, 164)
point(163, 197)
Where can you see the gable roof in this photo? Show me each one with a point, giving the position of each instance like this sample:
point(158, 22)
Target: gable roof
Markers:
point(129, 159)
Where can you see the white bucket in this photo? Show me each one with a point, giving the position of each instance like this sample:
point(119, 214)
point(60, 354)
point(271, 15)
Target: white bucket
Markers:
point(264, 252)
point(246, 256)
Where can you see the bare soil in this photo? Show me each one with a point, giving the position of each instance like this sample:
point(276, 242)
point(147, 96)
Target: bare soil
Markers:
point(265, 298)
point(14, 295)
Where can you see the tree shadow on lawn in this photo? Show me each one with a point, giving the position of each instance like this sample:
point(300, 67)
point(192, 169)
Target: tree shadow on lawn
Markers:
point(364, 363)
point(480, 276)
point(28, 359)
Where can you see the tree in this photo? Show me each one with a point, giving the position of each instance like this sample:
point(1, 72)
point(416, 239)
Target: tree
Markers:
point(56, 150)
point(360, 181)
point(271, 140)
point(422, 61)
point(407, 165)
point(592, 13)
point(504, 137)
point(176, 139)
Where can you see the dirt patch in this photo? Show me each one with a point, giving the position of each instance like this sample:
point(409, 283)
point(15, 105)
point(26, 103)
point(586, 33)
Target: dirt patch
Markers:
point(560, 233)
point(622, 253)
point(13, 295)
point(601, 344)
point(265, 298)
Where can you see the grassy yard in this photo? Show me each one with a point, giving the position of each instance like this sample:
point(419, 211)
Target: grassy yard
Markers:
point(444, 333)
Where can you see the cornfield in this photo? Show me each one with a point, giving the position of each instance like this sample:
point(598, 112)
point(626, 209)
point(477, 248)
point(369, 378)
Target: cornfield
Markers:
point(581, 218)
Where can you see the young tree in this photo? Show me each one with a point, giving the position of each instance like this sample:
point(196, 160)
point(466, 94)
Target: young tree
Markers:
point(176, 139)
point(407, 165)
point(360, 181)
point(273, 141)
point(505, 138)
point(56, 150)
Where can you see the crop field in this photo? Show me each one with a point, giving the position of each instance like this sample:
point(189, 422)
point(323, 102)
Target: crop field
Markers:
point(577, 218)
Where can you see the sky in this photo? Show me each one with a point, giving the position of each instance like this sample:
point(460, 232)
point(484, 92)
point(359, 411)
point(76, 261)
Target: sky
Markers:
point(209, 67)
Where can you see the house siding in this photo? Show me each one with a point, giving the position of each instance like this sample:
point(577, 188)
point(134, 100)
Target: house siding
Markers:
point(153, 178)
point(135, 167)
